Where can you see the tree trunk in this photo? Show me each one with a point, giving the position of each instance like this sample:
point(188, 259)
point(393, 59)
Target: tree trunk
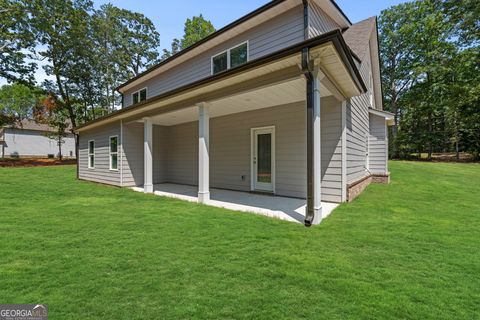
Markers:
point(60, 148)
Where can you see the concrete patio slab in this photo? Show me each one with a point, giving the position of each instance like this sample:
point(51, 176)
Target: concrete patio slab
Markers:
point(284, 208)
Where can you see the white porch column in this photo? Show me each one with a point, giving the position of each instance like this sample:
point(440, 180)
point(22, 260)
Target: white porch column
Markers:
point(317, 158)
point(203, 153)
point(147, 155)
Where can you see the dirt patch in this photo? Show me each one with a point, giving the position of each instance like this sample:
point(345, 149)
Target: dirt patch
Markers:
point(35, 162)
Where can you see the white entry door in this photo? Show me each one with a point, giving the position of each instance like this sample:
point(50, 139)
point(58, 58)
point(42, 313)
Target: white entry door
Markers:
point(263, 159)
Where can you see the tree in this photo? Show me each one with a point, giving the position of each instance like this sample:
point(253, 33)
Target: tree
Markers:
point(16, 103)
point(126, 45)
point(50, 113)
point(16, 39)
point(195, 29)
point(89, 52)
point(429, 55)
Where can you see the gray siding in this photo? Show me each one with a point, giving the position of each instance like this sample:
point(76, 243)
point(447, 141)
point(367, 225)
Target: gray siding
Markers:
point(231, 148)
point(331, 145)
point(101, 173)
point(160, 144)
point(182, 154)
point(273, 35)
point(32, 143)
point(319, 21)
point(358, 129)
point(132, 154)
point(378, 145)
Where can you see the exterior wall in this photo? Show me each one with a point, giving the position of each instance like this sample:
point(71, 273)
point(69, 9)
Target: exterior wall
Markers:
point(358, 129)
point(319, 21)
point(378, 145)
point(182, 154)
point(101, 173)
point(230, 145)
point(32, 143)
point(273, 35)
point(132, 154)
point(331, 145)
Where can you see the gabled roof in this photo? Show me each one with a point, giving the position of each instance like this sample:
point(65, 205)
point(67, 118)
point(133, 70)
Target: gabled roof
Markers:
point(357, 36)
point(249, 17)
point(32, 125)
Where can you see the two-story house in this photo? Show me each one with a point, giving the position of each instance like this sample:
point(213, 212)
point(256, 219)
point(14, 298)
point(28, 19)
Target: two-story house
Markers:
point(284, 103)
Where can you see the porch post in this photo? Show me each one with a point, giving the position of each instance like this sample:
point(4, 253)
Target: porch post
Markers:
point(317, 158)
point(203, 153)
point(147, 155)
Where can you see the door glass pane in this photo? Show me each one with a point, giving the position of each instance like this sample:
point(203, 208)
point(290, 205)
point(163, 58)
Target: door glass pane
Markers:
point(264, 154)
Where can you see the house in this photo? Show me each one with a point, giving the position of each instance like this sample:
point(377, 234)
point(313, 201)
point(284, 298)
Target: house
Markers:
point(30, 139)
point(285, 101)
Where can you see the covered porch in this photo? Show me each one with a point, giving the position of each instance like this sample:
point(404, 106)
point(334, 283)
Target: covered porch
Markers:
point(266, 137)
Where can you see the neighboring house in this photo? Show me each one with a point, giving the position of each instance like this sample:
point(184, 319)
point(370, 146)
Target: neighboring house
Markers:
point(286, 100)
point(29, 139)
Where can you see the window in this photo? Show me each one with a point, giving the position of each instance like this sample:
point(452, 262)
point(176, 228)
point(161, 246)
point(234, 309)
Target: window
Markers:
point(114, 153)
point(139, 96)
point(370, 80)
point(231, 58)
point(91, 154)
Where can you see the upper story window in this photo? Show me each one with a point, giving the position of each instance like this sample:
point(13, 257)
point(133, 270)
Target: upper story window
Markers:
point(230, 58)
point(139, 96)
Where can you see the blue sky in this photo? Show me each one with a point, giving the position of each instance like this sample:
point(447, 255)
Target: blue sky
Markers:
point(169, 16)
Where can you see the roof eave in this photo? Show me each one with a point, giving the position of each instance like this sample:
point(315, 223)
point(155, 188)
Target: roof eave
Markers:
point(334, 36)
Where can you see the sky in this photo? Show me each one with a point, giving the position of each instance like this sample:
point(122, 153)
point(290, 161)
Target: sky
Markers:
point(169, 16)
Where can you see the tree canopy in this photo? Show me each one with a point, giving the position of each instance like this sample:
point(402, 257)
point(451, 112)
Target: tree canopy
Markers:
point(195, 29)
point(430, 74)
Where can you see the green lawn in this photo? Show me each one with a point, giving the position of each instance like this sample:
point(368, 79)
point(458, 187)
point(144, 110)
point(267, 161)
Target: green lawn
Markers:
point(407, 250)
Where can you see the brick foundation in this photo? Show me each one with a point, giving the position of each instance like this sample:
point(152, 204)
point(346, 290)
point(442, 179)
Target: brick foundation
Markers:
point(355, 188)
point(381, 178)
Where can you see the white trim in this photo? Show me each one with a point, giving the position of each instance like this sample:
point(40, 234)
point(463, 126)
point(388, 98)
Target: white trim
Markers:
point(147, 155)
point(203, 153)
point(138, 91)
point(110, 153)
point(229, 66)
point(389, 117)
point(90, 154)
point(121, 153)
point(253, 171)
point(344, 151)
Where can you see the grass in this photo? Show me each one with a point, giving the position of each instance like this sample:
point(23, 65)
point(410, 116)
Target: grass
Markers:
point(406, 250)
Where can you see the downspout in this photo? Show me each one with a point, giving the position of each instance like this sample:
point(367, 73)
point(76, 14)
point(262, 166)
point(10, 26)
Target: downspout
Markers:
point(306, 69)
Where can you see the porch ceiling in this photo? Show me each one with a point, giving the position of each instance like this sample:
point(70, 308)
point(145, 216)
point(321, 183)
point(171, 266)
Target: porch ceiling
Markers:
point(270, 96)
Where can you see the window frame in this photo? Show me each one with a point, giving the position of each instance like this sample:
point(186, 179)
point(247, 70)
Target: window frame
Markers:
point(110, 153)
point(90, 154)
point(229, 60)
point(138, 91)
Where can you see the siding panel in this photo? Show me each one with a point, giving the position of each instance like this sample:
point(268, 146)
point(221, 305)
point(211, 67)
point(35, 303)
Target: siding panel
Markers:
point(319, 21)
point(378, 144)
point(101, 173)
